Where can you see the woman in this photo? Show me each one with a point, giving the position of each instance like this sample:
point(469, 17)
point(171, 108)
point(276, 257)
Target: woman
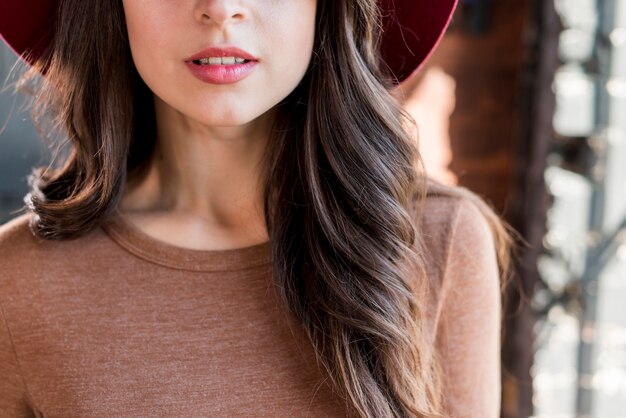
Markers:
point(240, 226)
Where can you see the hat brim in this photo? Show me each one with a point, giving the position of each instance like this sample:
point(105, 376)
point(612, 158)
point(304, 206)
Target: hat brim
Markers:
point(26, 27)
point(412, 30)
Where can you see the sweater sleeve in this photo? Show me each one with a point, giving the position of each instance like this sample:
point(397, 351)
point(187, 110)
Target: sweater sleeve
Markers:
point(13, 394)
point(471, 319)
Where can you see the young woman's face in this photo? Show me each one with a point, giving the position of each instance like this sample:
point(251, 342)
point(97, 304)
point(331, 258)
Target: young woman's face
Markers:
point(165, 34)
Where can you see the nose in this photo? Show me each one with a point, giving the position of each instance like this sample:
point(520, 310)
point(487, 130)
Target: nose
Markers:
point(219, 12)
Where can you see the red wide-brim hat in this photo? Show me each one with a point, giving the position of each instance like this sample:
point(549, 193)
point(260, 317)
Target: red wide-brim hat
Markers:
point(412, 29)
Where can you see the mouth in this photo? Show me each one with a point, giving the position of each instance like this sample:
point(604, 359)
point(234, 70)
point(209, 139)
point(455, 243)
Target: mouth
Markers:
point(222, 65)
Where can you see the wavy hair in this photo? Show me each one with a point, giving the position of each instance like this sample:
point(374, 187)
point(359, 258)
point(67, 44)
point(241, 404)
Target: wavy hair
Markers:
point(341, 172)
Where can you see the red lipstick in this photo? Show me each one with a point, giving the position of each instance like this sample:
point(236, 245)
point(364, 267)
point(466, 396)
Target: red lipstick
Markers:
point(225, 72)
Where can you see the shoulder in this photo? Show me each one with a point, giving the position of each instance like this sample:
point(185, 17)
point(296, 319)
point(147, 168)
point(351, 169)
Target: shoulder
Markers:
point(28, 262)
point(16, 235)
point(467, 234)
point(445, 205)
point(453, 218)
point(19, 246)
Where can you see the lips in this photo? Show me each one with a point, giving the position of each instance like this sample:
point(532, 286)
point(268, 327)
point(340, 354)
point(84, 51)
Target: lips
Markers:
point(225, 72)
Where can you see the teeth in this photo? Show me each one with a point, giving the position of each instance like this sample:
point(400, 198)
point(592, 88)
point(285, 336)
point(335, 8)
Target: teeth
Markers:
point(221, 60)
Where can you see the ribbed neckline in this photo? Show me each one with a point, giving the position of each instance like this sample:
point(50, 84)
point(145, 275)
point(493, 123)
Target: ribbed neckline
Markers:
point(134, 240)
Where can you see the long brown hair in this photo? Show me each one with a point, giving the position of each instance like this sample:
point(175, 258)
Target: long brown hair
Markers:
point(342, 173)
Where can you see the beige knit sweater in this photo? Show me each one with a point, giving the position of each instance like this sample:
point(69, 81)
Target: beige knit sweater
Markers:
point(119, 324)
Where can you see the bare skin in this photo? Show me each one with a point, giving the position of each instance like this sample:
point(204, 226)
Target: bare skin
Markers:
point(203, 191)
point(202, 194)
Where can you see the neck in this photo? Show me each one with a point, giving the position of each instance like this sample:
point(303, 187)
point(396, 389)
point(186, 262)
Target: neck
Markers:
point(206, 172)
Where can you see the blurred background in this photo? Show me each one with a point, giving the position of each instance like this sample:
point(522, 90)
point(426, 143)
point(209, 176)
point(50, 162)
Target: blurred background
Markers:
point(524, 103)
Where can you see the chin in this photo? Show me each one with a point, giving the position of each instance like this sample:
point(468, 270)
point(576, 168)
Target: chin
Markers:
point(227, 117)
point(225, 121)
